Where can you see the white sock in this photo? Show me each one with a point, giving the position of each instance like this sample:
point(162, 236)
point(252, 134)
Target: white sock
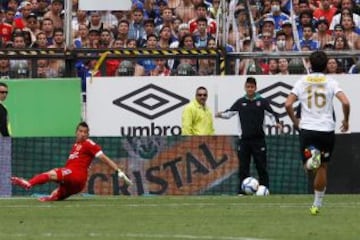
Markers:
point(318, 197)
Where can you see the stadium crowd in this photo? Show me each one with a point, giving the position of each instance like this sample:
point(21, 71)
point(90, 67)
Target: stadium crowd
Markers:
point(268, 26)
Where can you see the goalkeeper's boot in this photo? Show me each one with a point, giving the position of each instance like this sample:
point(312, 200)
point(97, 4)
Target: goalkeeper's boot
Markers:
point(21, 182)
point(314, 210)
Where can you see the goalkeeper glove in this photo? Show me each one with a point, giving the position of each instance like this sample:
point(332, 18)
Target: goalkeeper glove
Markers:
point(123, 176)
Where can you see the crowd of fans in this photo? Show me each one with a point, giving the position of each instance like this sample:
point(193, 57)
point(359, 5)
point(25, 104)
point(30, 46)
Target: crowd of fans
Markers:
point(188, 24)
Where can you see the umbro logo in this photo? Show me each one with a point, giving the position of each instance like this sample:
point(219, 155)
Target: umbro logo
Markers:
point(276, 94)
point(150, 101)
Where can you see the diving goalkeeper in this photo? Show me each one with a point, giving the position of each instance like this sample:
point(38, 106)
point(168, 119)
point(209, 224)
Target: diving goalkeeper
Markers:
point(72, 178)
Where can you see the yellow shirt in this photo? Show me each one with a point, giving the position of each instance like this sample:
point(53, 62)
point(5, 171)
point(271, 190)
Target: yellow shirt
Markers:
point(197, 120)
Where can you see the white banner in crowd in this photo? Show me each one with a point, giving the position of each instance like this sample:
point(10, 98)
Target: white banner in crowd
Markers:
point(111, 5)
point(144, 106)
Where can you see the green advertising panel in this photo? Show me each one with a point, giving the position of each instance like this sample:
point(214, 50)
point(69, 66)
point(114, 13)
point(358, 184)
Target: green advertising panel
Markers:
point(43, 107)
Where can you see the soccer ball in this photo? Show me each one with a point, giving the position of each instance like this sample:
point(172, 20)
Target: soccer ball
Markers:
point(313, 157)
point(262, 191)
point(250, 185)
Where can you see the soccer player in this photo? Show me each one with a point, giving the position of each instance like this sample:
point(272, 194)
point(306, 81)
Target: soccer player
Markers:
point(316, 124)
point(251, 110)
point(72, 178)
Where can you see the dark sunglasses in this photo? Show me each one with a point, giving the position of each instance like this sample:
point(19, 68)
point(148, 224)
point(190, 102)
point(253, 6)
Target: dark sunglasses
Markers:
point(202, 94)
point(3, 92)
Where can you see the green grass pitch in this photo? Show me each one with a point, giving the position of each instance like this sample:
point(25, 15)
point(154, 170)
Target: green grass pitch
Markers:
point(181, 218)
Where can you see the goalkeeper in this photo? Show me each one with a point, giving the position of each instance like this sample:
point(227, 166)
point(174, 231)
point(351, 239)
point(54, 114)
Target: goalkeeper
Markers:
point(72, 178)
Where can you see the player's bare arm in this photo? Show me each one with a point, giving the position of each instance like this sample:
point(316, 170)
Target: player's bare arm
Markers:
point(346, 110)
point(292, 98)
point(113, 165)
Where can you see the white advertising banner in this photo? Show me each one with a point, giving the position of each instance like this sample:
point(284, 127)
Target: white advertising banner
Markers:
point(103, 5)
point(145, 106)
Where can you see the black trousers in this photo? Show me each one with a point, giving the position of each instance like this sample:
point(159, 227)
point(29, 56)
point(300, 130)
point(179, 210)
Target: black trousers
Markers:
point(255, 148)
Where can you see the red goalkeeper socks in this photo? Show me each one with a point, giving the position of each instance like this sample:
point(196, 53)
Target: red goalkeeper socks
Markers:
point(40, 179)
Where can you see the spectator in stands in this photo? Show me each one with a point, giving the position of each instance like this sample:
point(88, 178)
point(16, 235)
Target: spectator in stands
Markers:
point(44, 70)
point(6, 27)
point(149, 28)
point(349, 28)
point(33, 26)
point(41, 41)
point(277, 14)
point(201, 12)
point(322, 34)
point(305, 18)
point(54, 13)
point(266, 43)
point(243, 23)
point(207, 67)
point(59, 43)
point(123, 30)
point(166, 19)
point(131, 43)
point(214, 8)
point(290, 44)
point(25, 10)
point(58, 39)
point(94, 38)
point(273, 66)
point(325, 11)
point(13, 4)
point(332, 66)
point(82, 40)
point(151, 10)
point(48, 28)
point(80, 18)
point(136, 27)
point(9, 16)
point(145, 66)
point(304, 5)
point(338, 31)
point(20, 68)
point(280, 41)
point(118, 43)
point(187, 42)
point(268, 25)
point(96, 23)
point(307, 39)
point(283, 66)
point(165, 38)
point(5, 69)
point(109, 20)
point(175, 26)
point(42, 9)
point(106, 39)
point(183, 29)
point(341, 43)
point(27, 38)
point(344, 11)
point(201, 35)
point(185, 10)
point(355, 68)
point(161, 68)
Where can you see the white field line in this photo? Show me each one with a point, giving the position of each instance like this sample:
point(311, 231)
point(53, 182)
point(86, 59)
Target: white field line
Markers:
point(174, 205)
point(131, 235)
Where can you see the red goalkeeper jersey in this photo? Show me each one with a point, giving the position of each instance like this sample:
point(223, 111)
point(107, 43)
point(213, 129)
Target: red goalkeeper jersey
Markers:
point(81, 155)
